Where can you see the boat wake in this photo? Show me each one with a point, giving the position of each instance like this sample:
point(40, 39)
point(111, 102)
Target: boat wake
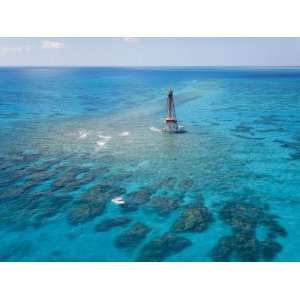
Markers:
point(124, 133)
point(152, 128)
point(104, 137)
point(103, 141)
point(82, 134)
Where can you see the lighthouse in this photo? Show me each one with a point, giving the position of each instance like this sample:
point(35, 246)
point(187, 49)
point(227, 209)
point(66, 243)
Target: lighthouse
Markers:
point(170, 121)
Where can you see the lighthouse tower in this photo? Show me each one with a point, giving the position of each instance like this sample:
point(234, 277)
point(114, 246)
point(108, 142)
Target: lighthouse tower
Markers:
point(170, 121)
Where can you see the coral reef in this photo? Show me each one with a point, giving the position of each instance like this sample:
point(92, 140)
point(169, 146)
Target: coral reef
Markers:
point(50, 208)
point(186, 184)
point(243, 245)
point(168, 183)
point(135, 199)
point(194, 218)
point(162, 247)
point(107, 224)
point(92, 204)
point(133, 236)
point(163, 205)
point(293, 145)
point(15, 251)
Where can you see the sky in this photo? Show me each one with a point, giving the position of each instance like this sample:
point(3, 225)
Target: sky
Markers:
point(149, 51)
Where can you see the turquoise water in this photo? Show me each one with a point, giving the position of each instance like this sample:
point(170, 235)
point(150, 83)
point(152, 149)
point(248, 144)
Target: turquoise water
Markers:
point(73, 139)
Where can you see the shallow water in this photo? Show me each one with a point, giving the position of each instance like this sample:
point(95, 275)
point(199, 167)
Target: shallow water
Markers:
point(72, 139)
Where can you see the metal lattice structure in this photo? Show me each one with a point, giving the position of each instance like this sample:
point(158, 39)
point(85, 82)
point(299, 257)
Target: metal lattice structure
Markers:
point(170, 113)
point(170, 121)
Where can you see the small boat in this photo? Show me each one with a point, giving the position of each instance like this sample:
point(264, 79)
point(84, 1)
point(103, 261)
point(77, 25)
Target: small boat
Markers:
point(118, 201)
point(170, 122)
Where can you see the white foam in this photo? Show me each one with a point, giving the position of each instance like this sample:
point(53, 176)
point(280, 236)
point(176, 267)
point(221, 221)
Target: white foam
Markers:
point(124, 133)
point(83, 134)
point(104, 137)
point(143, 163)
point(154, 129)
point(100, 144)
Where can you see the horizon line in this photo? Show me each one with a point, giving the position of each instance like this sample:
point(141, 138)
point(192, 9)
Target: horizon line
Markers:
point(149, 66)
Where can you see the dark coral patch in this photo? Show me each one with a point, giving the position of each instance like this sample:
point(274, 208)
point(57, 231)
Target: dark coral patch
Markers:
point(243, 245)
point(194, 218)
point(73, 178)
point(269, 249)
point(293, 145)
point(245, 216)
point(85, 210)
point(66, 179)
point(133, 236)
point(135, 199)
point(91, 204)
point(168, 183)
point(295, 156)
point(107, 224)
point(242, 128)
point(50, 208)
point(117, 191)
point(15, 251)
point(186, 184)
point(164, 205)
point(162, 247)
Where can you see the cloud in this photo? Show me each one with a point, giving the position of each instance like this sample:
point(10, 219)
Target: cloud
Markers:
point(14, 50)
point(130, 39)
point(52, 45)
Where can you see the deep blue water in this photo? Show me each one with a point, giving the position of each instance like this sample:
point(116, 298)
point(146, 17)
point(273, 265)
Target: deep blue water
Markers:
point(73, 139)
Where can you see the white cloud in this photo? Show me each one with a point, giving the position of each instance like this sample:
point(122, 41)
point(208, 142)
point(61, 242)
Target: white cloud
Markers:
point(130, 39)
point(52, 45)
point(14, 50)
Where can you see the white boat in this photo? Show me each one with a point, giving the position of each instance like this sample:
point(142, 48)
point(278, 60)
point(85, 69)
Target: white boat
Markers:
point(118, 201)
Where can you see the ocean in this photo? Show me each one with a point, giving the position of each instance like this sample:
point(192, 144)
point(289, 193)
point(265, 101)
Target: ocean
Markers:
point(74, 139)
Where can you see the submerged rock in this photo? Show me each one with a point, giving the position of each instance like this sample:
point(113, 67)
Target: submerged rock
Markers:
point(133, 236)
point(194, 218)
point(162, 247)
point(164, 205)
point(107, 224)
